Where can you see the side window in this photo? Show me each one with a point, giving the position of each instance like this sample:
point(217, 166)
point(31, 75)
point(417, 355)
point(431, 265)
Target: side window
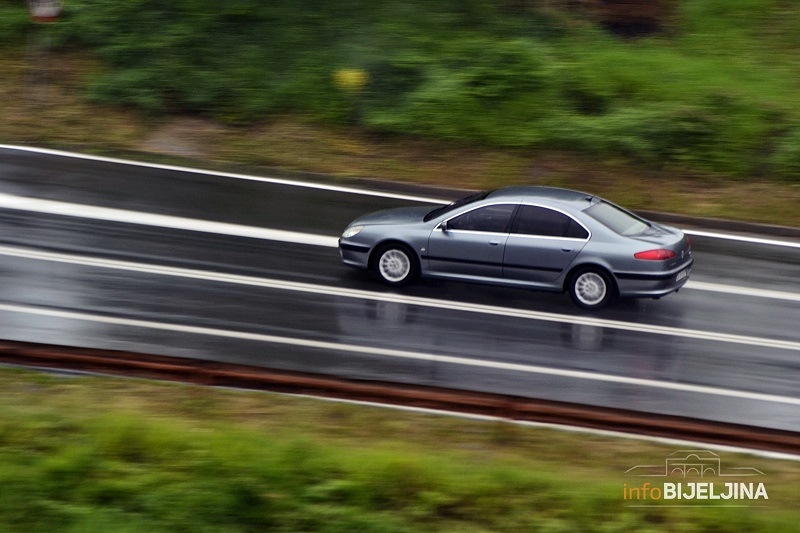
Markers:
point(534, 220)
point(576, 231)
point(492, 218)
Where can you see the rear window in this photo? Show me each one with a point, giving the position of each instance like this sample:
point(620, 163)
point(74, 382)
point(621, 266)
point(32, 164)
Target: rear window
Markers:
point(616, 219)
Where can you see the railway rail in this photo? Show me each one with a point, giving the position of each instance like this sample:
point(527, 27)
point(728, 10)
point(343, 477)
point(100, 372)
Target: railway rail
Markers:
point(210, 373)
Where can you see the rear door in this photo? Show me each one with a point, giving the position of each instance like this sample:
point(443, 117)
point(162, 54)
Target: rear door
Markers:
point(542, 244)
point(473, 242)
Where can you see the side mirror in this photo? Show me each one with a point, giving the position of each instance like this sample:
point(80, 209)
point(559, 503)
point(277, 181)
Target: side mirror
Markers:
point(443, 226)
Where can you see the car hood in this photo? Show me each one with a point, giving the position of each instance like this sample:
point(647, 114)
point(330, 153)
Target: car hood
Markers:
point(402, 215)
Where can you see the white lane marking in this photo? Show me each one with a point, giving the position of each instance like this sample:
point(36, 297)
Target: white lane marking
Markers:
point(401, 354)
point(333, 188)
point(742, 238)
point(53, 207)
point(743, 291)
point(108, 214)
point(681, 443)
point(245, 177)
point(397, 298)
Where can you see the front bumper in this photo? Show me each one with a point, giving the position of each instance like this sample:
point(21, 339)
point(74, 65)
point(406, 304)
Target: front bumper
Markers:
point(355, 255)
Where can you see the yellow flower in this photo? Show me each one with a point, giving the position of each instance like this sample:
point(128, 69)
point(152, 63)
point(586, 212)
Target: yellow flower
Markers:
point(350, 79)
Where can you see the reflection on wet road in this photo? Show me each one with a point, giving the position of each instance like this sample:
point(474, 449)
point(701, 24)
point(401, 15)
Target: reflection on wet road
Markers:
point(178, 291)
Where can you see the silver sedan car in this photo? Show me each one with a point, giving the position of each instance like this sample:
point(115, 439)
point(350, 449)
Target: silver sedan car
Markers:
point(540, 238)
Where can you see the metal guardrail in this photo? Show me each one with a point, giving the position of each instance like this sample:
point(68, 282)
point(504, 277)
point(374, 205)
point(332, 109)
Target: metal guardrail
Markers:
point(210, 373)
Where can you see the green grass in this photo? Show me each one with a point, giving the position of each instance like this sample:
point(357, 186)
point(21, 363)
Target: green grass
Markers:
point(101, 454)
point(701, 118)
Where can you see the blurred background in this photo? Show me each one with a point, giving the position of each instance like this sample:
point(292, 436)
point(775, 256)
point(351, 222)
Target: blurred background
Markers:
point(617, 96)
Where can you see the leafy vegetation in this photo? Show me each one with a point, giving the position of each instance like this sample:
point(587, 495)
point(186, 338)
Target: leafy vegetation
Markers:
point(714, 90)
point(93, 454)
point(656, 107)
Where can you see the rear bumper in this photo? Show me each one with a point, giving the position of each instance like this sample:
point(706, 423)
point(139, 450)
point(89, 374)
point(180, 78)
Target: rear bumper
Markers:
point(646, 285)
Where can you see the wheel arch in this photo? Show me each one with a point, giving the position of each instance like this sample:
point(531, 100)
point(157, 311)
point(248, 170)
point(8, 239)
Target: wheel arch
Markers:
point(373, 254)
point(576, 269)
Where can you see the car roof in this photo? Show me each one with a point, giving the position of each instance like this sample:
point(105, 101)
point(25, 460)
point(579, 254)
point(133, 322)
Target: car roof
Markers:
point(534, 192)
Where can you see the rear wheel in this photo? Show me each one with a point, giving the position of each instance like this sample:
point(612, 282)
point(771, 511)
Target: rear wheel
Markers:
point(591, 288)
point(395, 264)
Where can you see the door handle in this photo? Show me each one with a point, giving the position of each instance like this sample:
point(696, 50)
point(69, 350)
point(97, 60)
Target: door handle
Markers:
point(494, 243)
point(566, 249)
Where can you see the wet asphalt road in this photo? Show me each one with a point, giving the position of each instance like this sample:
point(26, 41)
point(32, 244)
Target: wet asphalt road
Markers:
point(718, 361)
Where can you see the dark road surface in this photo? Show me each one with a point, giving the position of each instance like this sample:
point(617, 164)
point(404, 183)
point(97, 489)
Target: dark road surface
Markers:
point(708, 352)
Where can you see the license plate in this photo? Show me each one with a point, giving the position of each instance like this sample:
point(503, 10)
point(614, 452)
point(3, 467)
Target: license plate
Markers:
point(682, 274)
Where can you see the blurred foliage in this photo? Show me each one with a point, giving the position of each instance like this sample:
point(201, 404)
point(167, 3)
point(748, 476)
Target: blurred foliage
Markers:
point(108, 455)
point(14, 21)
point(700, 86)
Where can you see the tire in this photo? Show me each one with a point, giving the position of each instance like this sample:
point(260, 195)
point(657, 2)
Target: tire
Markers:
point(591, 288)
point(395, 264)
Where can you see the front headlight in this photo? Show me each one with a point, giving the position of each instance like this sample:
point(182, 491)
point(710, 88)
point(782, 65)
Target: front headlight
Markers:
point(351, 232)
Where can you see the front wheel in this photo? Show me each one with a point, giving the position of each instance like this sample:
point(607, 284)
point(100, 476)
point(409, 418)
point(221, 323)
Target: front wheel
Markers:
point(591, 288)
point(395, 264)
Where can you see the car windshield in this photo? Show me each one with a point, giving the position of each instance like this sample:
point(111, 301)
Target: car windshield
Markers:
point(453, 205)
point(617, 219)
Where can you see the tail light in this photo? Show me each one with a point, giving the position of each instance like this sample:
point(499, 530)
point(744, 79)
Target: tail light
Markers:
point(655, 255)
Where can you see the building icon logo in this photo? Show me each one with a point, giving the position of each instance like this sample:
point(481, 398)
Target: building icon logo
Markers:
point(717, 481)
point(683, 463)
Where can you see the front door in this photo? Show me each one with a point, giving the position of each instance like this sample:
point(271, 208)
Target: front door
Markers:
point(472, 243)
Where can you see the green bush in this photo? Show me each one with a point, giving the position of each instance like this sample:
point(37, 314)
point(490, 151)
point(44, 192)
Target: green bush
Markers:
point(786, 159)
point(15, 21)
point(478, 89)
point(712, 93)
